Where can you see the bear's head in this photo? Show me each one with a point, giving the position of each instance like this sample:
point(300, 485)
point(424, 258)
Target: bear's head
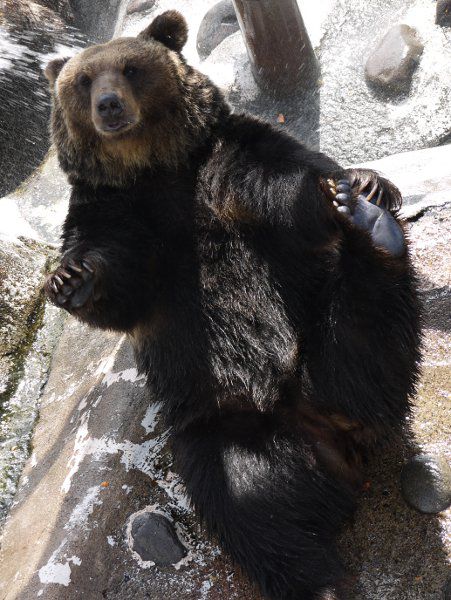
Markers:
point(130, 104)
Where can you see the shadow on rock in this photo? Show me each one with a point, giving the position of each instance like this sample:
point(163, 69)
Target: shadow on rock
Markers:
point(393, 551)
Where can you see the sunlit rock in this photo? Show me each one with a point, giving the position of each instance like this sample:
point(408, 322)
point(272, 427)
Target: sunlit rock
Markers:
point(426, 483)
point(391, 66)
point(139, 6)
point(219, 22)
point(154, 539)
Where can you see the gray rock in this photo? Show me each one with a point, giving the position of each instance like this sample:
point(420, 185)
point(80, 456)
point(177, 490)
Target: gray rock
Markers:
point(391, 66)
point(154, 539)
point(447, 590)
point(29, 33)
point(219, 22)
point(96, 19)
point(139, 6)
point(443, 14)
point(426, 483)
point(22, 267)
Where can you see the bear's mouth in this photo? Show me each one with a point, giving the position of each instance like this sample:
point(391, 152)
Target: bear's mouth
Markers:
point(113, 127)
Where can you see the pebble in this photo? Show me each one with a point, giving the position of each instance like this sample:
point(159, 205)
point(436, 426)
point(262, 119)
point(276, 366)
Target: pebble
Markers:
point(139, 6)
point(155, 539)
point(218, 23)
point(426, 483)
point(391, 65)
point(443, 13)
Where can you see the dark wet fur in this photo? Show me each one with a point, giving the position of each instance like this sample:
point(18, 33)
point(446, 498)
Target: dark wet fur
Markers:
point(259, 314)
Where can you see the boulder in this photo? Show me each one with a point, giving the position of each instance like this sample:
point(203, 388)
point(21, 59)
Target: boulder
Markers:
point(219, 22)
point(391, 66)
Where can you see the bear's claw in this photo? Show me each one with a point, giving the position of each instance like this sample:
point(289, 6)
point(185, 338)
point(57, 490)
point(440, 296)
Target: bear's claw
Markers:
point(71, 285)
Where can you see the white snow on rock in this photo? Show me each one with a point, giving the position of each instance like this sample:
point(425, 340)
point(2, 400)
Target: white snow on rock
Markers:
point(149, 421)
point(12, 224)
point(131, 375)
point(84, 509)
point(58, 572)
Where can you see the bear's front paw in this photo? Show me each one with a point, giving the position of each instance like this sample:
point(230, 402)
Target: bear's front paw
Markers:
point(72, 285)
point(366, 199)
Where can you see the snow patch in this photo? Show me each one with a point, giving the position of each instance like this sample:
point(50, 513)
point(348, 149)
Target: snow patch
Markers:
point(84, 509)
point(149, 421)
point(58, 572)
point(130, 375)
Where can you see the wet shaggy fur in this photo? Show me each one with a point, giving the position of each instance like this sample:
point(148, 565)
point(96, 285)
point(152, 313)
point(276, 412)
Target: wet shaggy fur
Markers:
point(281, 342)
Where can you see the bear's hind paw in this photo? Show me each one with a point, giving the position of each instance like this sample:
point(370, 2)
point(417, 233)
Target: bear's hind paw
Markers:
point(366, 202)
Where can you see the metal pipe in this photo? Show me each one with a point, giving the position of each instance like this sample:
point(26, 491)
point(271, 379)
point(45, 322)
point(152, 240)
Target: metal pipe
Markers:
point(281, 54)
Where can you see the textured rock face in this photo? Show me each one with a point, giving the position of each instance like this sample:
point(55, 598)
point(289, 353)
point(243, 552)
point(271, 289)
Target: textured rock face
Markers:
point(219, 22)
point(29, 33)
point(22, 268)
point(426, 483)
point(96, 19)
point(391, 66)
point(443, 14)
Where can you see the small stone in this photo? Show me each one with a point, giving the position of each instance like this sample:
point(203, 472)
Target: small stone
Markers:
point(139, 6)
point(218, 23)
point(155, 539)
point(426, 483)
point(391, 65)
point(443, 14)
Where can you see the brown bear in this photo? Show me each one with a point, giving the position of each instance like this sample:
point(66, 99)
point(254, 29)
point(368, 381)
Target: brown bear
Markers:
point(267, 292)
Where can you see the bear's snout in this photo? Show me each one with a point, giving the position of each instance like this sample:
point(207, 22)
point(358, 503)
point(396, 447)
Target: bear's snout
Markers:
point(109, 106)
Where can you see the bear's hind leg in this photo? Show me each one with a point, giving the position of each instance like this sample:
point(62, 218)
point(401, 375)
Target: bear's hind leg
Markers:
point(259, 490)
point(366, 199)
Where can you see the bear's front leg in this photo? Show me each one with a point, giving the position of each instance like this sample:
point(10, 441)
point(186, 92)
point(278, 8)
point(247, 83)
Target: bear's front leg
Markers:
point(76, 283)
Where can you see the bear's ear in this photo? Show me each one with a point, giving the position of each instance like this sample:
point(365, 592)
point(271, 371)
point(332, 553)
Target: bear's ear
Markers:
point(169, 28)
point(53, 69)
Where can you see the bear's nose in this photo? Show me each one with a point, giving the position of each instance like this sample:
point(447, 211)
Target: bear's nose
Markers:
point(109, 105)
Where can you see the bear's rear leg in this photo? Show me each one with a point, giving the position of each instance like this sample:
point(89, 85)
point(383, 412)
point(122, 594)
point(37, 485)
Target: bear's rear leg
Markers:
point(366, 199)
point(261, 493)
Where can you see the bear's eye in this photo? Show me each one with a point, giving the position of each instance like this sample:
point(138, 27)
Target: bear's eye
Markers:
point(84, 81)
point(130, 71)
